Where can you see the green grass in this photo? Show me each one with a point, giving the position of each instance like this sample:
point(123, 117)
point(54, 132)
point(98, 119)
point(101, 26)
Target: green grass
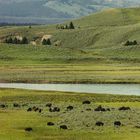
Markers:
point(81, 125)
point(93, 53)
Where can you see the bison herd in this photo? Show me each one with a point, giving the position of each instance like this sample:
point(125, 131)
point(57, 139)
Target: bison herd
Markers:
point(56, 109)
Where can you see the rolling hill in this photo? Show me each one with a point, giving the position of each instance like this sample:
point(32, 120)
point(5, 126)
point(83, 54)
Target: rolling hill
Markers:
point(93, 52)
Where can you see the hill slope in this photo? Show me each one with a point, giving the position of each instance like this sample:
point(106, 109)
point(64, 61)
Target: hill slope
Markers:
point(93, 53)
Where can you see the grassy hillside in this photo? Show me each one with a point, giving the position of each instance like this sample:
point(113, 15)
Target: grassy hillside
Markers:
point(97, 43)
point(80, 120)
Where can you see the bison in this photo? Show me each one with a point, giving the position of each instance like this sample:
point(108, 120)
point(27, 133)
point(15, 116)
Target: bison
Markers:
point(29, 109)
point(117, 123)
point(99, 124)
point(40, 110)
point(100, 108)
point(63, 127)
point(50, 123)
point(70, 108)
point(16, 105)
point(48, 104)
point(29, 129)
point(2, 106)
point(124, 108)
point(86, 102)
point(55, 109)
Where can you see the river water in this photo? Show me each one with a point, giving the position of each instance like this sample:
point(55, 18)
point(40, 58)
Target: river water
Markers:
point(123, 89)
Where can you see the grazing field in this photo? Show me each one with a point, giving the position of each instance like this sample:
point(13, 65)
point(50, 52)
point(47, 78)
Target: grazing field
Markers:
point(31, 115)
point(70, 73)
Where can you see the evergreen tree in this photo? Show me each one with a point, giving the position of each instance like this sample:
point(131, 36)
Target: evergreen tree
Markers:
point(135, 42)
point(44, 42)
point(48, 42)
point(15, 41)
point(24, 40)
point(71, 26)
point(66, 27)
point(9, 40)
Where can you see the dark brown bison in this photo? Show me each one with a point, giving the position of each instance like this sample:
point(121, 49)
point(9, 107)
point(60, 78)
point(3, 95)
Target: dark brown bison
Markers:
point(29, 129)
point(117, 123)
point(36, 109)
point(100, 108)
point(40, 110)
point(124, 108)
point(88, 109)
point(54, 109)
point(86, 102)
point(29, 109)
point(99, 124)
point(70, 108)
point(63, 127)
point(50, 123)
point(48, 104)
point(2, 106)
point(16, 105)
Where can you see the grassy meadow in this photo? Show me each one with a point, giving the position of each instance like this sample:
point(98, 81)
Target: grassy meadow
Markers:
point(94, 52)
point(80, 121)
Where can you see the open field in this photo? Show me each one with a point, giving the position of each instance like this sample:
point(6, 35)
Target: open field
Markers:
point(70, 73)
point(80, 120)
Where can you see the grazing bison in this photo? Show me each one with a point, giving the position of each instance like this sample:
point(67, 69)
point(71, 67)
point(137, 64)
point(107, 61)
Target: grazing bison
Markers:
point(100, 108)
point(49, 105)
point(99, 124)
point(124, 108)
point(50, 123)
point(29, 109)
point(40, 110)
point(2, 106)
point(63, 127)
point(55, 109)
point(29, 129)
point(36, 109)
point(16, 105)
point(117, 123)
point(86, 102)
point(70, 108)
point(88, 109)
point(108, 109)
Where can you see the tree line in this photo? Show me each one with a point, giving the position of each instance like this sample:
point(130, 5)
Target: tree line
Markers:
point(70, 26)
point(128, 43)
point(46, 41)
point(15, 40)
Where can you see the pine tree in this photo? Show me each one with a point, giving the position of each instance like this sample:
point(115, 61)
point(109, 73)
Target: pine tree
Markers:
point(71, 26)
point(9, 40)
point(44, 42)
point(135, 42)
point(15, 41)
point(24, 40)
point(48, 42)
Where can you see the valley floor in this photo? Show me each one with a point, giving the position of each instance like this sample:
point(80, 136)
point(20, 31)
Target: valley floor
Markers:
point(70, 73)
point(80, 121)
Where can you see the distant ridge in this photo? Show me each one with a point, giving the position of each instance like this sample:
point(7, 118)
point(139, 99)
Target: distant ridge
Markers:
point(54, 11)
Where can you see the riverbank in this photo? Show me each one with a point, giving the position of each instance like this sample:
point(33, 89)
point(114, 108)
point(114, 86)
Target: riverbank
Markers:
point(118, 89)
point(82, 118)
